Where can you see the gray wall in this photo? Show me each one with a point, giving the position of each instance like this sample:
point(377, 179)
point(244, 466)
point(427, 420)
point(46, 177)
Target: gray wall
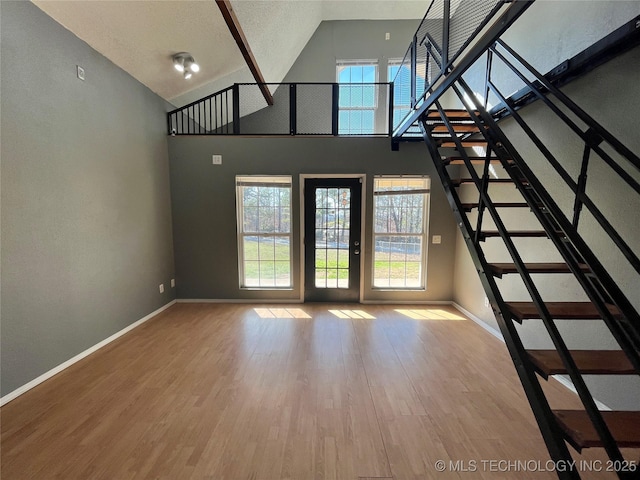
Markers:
point(351, 40)
point(544, 37)
point(332, 41)
point(203, 197)
point(611, 94)
point(86, 214)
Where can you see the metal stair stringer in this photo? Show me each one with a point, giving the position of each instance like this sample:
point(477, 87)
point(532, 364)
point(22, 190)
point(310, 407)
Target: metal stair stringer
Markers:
point(551, 433)
point(561, 231)
point(549, 423)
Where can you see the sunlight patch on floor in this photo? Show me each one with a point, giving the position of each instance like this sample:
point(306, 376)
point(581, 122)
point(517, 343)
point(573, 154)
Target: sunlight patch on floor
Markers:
point(352, 314)
point(429, 314)
point(281, 313)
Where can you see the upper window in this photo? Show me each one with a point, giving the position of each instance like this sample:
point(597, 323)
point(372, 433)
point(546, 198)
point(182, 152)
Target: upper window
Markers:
point(400, 212)
point(400, 75)
point(264, 231)
point(358, 97)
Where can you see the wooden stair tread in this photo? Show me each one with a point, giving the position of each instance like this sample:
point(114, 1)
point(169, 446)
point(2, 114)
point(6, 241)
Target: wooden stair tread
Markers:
point(465, 143)
point(499, 269)
point(457, 127)
point(589, 362)
point(514, 233)
point(460, 181)
point(559, 310)
point(451, 113)
point(580, 433)
point(470, 206)
point(473, 160)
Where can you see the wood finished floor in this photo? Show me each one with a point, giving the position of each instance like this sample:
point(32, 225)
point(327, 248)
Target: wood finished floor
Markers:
point(300, 392)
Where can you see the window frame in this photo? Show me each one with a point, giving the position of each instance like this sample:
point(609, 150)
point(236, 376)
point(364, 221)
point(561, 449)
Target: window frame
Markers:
point(398, 62)
point(426, 191)
point(340, 64)
point(283, 181)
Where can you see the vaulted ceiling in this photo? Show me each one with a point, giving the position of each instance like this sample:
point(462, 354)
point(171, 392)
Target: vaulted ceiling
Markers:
point(141, 36)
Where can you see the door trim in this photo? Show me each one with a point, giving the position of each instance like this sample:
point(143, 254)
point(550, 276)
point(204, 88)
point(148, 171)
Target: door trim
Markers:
point(363, 177)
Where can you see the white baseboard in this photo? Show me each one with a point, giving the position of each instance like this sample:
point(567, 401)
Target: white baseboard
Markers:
point(479, 321)
point(565, 382)
point(297, 300)
point(237, 300)
point(54, 371)
point(405, 302)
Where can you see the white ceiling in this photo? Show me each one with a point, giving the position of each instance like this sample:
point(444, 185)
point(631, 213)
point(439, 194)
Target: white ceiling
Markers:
point(140, 36)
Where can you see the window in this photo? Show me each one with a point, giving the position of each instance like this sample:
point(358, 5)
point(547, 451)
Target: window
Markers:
point(264, 231)
point(400, 208)
point(358, 97)
point(400, 75)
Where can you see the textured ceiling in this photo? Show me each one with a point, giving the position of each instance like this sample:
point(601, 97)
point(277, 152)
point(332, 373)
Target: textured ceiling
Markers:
point(140, 36)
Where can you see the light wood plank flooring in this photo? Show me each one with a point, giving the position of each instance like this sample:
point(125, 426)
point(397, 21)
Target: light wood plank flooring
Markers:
point(299, 392)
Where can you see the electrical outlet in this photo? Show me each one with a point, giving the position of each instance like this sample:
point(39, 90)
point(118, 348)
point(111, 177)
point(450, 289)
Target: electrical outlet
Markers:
point(80, 72)
point(173, 282)
point(387, 36)
point(486, 302)
point(161, 288)
point(436, 239)
point(216, 159)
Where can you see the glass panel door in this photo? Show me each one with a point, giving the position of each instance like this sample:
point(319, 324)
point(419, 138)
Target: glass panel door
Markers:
point(332, 239)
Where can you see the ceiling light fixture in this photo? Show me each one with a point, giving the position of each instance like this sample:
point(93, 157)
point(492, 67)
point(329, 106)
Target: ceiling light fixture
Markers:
point(183, 62)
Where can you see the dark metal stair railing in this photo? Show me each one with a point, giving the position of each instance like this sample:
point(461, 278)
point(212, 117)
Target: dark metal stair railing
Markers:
point(604, 296)
point(546, 317)
point(208, 115)
point(524, 184)
point(592, 137)
point(551, 433)
point(302, 108)
point(493, 26)
point(596, 282)
point(599, 285)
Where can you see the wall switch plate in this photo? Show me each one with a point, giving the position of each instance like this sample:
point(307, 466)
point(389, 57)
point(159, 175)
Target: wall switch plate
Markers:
point(80, 72)
point(217, 159)
point(173, 282)
point(436, 239)
point(161, 288)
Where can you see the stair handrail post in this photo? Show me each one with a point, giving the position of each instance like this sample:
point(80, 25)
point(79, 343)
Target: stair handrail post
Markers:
point(170, 124)
point(582, 185)
point(391, 103)
point(335, 108)
point(414, 66)
point(293, 105)
point(487, 78)
point(445, 35)
point(236, 109)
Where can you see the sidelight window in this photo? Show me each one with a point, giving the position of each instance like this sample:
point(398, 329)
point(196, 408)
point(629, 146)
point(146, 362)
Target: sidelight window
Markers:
point(400, 210)
point(264, 231)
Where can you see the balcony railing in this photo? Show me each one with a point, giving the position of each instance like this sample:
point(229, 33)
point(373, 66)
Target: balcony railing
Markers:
point(447, 29)
point(310, 109)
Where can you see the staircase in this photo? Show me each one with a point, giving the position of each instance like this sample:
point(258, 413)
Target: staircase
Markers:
point(492, 180)
point(526, 249)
